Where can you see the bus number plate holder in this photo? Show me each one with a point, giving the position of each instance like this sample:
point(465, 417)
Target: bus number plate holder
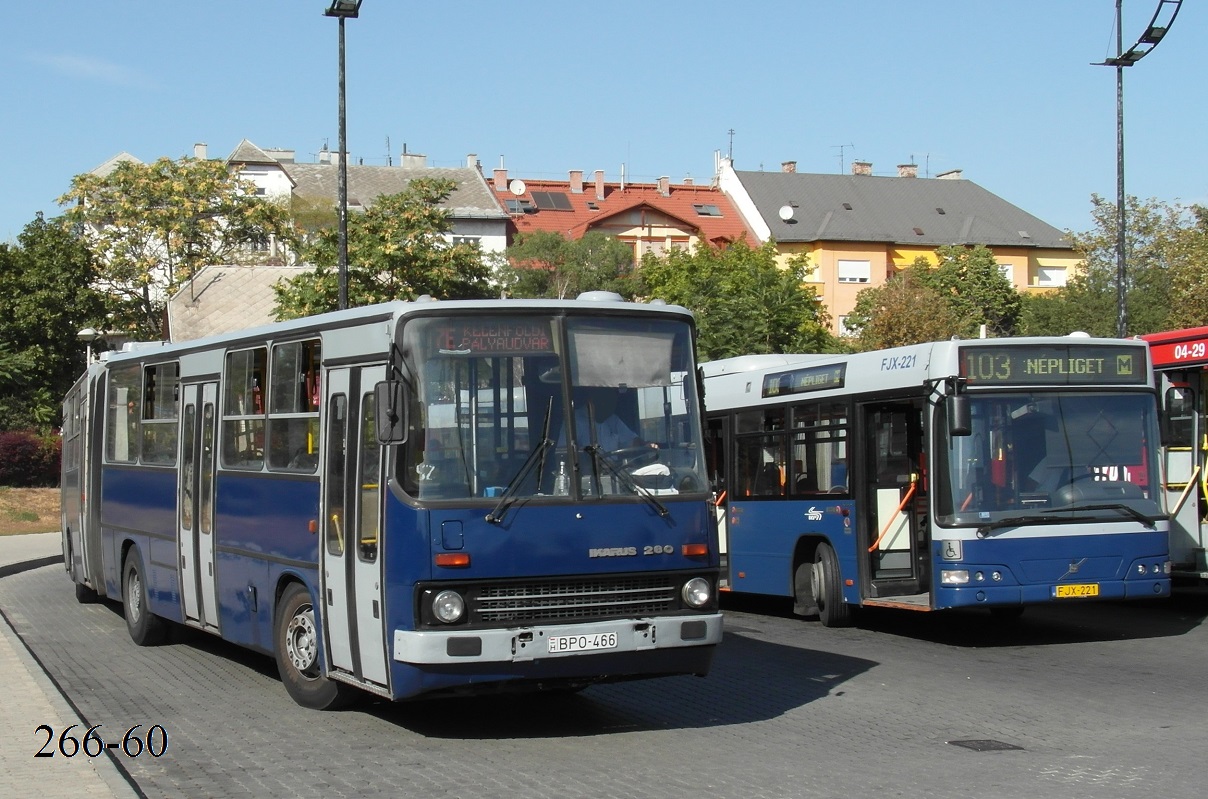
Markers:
point(582, 643)
point(1075, 590)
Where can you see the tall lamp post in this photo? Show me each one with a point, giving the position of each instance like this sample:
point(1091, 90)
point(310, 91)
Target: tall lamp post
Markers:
point(342, 10)
point(1159, 25)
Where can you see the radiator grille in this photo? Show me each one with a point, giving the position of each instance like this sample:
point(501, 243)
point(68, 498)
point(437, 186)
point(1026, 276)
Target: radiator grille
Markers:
point(591, 598)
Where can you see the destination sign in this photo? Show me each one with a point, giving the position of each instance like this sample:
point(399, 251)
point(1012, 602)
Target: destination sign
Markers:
point(1187, 351)
point(491, 336)
point(804, 380)
point(1061, 364)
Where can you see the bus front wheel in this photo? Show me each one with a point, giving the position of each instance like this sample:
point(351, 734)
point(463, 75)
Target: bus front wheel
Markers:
point(146, 629)
point(297, 651)
point(828, 589)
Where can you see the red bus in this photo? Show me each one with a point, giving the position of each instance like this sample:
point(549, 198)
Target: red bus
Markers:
point(1180, 361)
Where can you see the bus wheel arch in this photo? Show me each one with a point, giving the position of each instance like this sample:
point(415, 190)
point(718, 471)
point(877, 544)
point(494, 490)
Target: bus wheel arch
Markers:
point(146, 628)
point(803, 575)
point(297, 648)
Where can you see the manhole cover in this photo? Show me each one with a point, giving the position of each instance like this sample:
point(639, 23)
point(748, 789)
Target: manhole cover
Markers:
point(986, 745)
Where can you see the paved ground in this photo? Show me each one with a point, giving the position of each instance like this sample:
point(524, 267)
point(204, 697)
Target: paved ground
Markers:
point(1097, 701)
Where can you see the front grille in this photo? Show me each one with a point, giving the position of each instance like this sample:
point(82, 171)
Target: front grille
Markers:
point(587, 598)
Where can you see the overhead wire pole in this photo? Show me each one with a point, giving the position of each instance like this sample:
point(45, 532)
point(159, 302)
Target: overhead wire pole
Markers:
point(342, 10)
point(1158, 27)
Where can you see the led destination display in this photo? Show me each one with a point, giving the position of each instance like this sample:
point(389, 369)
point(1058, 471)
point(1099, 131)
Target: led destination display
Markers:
point(1069, 364)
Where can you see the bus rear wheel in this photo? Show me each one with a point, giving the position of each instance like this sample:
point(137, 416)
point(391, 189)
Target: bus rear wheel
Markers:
point(297, 651)
point(146, 629)
point(828, 591)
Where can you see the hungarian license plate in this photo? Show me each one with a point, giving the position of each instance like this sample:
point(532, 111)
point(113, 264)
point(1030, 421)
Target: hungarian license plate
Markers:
point(582, 643)
point(1069, 590)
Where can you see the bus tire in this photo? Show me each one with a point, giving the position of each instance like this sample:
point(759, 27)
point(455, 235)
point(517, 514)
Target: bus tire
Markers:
point(804, 603)
point(146, 629)
point(296, 645)
point(828, 593)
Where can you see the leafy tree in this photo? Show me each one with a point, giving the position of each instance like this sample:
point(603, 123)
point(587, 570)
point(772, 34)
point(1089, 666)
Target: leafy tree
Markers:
point(1164, 243)
point(1189, 273)
point(743, 300)
point(975, 289)
point(396, 250)
point(547, 264)
point(152, 226)
point(45, 299)
point(906, 309)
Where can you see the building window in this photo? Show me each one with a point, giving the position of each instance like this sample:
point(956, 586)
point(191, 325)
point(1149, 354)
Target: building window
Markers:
point(1050, 276)
point(706, 210)
point(1008, 272)
point(469, 240)
point(854, 271)
point(844, 330)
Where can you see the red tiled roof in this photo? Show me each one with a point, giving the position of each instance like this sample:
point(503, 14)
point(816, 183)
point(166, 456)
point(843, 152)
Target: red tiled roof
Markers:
point(678, 203)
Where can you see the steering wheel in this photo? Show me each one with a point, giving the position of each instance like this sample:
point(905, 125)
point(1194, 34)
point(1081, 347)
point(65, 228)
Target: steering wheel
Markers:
point(634, 456)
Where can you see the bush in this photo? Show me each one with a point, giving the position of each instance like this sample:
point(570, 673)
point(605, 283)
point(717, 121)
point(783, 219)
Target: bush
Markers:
point(29, 460)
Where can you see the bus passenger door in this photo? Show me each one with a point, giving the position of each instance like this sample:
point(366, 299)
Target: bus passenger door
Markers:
point(352, 573)
point(717, 433)
point(1183, 448)
point(195, 501)
point(896, 528)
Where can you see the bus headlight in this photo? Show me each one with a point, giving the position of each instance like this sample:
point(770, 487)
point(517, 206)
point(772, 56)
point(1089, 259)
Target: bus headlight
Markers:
point(954, 577)
point(448, 606)
point(697, 592)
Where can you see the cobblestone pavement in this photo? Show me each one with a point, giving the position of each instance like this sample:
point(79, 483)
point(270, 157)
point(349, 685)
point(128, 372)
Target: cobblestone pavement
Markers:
point(1073, 701)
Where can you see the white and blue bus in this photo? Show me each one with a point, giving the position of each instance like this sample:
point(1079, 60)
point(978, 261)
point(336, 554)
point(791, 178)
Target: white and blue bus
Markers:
point(989, 473)
point(396, 498)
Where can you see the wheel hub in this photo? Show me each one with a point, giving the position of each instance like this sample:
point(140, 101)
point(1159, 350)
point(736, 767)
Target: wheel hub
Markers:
point(301, 640)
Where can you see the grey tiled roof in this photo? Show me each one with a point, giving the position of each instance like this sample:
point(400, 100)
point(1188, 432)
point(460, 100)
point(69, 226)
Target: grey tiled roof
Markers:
point(222, 299)
point(470, 199)
point(247, 153)
point(893, 210)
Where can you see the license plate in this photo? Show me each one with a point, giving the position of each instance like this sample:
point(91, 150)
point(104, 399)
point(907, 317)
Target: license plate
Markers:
point(582, 643)
point(1069, 590)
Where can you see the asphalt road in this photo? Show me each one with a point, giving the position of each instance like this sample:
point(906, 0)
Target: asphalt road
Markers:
point(1079, 700)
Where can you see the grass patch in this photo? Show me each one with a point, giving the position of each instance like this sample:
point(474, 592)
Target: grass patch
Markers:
point(29, 510)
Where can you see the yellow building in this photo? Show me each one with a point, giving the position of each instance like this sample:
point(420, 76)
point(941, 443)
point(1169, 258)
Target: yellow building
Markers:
point(859, 229)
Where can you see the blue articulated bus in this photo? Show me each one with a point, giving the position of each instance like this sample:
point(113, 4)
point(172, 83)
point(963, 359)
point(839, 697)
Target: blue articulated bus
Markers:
point(410, 499)
point(995, 473)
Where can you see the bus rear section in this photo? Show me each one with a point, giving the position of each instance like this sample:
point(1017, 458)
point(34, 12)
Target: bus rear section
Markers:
point(994, 474)
point(1180, 360)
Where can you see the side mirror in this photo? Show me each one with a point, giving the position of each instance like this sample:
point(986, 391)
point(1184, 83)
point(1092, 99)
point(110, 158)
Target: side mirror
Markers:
point(959, 421)
point(390, 412)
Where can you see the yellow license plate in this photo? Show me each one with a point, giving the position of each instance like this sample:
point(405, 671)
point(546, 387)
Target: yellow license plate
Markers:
point(1069, 590)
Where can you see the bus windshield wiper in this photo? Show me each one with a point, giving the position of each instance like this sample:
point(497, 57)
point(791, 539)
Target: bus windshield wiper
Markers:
point(598, 456)
point(1127, 510)
point(536, 454)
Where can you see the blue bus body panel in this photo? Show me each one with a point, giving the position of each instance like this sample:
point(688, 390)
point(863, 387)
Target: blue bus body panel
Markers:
point(139, 505)
point(763, 535)
point(1032, 567)
point(263, 527)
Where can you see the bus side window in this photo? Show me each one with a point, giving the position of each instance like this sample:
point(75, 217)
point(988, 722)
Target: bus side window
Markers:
point(1180, 417)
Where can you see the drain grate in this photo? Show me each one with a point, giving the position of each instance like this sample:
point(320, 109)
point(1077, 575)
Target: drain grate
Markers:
point(986, 745)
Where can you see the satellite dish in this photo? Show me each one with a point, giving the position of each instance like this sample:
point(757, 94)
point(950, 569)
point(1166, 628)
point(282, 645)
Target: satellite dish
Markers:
point(517, 187)
point(786, 213)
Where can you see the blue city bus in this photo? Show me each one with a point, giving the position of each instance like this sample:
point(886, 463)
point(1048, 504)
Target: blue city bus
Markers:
point(396, 499)
point(990, 473)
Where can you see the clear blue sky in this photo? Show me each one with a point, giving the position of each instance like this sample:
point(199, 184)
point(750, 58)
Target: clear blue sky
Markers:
point(1002, 90)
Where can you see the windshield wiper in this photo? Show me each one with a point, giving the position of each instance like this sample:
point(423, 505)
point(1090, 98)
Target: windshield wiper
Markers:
point(536, 454)
point(1018, 521)
point(598, 456)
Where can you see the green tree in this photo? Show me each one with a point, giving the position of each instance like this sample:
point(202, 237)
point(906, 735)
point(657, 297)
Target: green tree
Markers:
point(46, 297)
point(1160, 246)
point(743, 300)
point(1189, 272)
point(906, 309)
point(152, 226)
point(975, 289)
point(396, 250)
point(547, 264)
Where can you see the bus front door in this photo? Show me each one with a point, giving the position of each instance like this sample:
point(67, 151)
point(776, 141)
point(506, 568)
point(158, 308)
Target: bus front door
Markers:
point(1184, 447)
point(353, 617)
point(195, 503)
point(896, 550)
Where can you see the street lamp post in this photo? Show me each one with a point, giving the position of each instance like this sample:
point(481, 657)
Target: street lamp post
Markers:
point(342, 10)
point(1162, 19)
point(88, 335)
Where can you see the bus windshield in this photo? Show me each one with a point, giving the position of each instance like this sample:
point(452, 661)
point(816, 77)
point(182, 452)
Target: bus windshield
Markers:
point(1046, 453)
point(490, 398)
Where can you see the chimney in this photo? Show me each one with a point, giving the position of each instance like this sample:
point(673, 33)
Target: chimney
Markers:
point(687, 180)
point(325, 156)
point(576, 181)
point(501, 179)
point(908, 170)
point(199, 151)
point(665, 186)
point(413, 161)
point(471, 160)
point(951, 174)
point(788, 166)
point(861, 167)
point(599, 184)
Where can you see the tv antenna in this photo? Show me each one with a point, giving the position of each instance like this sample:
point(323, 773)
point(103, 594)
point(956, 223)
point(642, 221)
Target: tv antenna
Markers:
point(841, 148)
point(389, 157)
